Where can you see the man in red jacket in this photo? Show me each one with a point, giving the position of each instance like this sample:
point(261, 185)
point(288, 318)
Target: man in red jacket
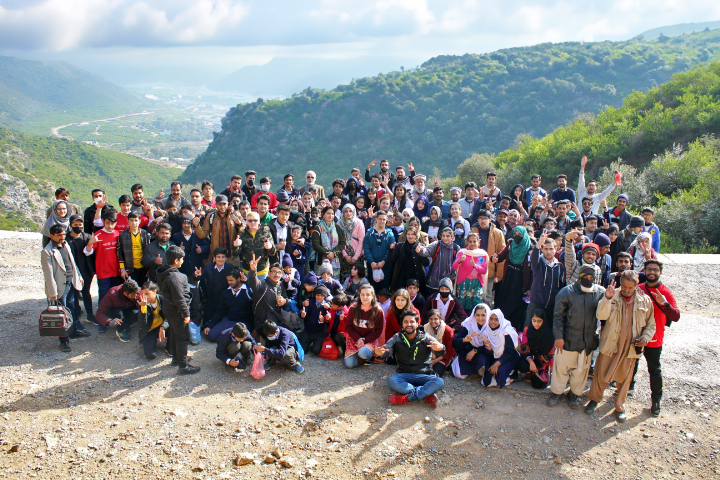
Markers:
point(666, 311)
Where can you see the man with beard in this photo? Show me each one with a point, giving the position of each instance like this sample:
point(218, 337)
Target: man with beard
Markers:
point(437, 196)
point(666, 311)
point(289, 187)
point(629, 326)
point(220, 225)
point(403, 179)
point(234, 187)
point(154, 255)
point(419, 188)
point(310, 178)
point(175, 195)
point(387, 178)
point(591, 191)
point(575, 331)
point(619, 214)
point(413, 350)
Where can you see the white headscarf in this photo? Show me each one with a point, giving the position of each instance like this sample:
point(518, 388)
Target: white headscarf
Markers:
point(639, 257)
point(472, 327)
point(497, 336)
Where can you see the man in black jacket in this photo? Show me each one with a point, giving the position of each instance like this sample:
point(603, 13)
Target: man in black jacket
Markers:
point(78, 240)
point(99, 201)
point(176, 307)
point(154, 256)
point(575, 327)
point(234, 347)
point(413, 350)
point(268, 297)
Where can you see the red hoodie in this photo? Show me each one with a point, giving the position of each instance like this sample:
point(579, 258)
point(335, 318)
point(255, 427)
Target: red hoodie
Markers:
point(662, 313)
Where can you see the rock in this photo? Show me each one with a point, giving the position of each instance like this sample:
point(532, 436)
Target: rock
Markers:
point(200, 468)
point(220, 423)
point(557, 460)
point(50, 441)
point(269, 459)
point(517, 395)
point(426, 419)
point(690, 437)
point(15, 448)
point(287, 462)
point(179, 413)
point(245, 458)
point(312, 463)
point(618, 461)
point(277, 453)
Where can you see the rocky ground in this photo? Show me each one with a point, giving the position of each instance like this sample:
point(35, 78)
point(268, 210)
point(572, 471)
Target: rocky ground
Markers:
point(103, 411)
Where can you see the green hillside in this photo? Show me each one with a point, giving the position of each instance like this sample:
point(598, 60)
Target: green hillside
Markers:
point(35, 95)
point(440, 114)
point(666, 142)
point(45, 163)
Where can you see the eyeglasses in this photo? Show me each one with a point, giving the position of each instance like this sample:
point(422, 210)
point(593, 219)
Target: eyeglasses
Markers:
point(252, 220)
point(652, 270)
point(276, 272)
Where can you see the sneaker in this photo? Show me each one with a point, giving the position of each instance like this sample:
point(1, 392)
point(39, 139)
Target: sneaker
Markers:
point(397, 399)
point(151, 356)
point(655, 408)
point(188, 370)
point(620, 416)
point(123, 335)
point(590, 407)
point(613, 384)
point(102, 329)
point(92, 320)
point(299, 369)
point(573, 401)
point(552, 400)
point(177, 364)
point(266, 366)
point(432, 399)
point(65, 347)
point(80, 334)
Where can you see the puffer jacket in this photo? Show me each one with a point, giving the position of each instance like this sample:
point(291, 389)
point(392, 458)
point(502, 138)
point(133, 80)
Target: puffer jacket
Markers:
point(575, 319)
point(125, 249)
point(255, 244)
point(643, 322)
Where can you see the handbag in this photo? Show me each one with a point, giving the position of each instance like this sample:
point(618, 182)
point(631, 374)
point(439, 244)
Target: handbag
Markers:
point(55, 321)
point(258, 368)
point(329, 350)
point(195, 337)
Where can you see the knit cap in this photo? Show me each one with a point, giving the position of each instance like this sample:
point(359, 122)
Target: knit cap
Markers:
point(311, 279)
point(602, 240)
point(446, 282)
point(325, 267)
point(637, 221)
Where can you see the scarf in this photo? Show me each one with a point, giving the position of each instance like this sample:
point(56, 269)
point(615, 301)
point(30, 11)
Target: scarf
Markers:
point(441, 266)
point(348, 226)
point(639, 257)
point(439, 223)
point(440, 331)
point(512, 220)
point(540, 341)
point(55, 219)
point(471, 325)
point(329, 238)
point(518, 251)
point(425, 211)
point(497, 336)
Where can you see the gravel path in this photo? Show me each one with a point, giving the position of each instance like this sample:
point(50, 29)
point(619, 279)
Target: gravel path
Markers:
point(103, 411)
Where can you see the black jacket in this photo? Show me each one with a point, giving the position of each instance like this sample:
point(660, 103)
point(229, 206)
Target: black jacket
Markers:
point(175, 290)
point(413, 356)
point(85, 263)
point(192, 257)
point(265, 296)
point(150, 254)
point(575, 320)
point(89, 217)
point(406, 266)
point(226, 339)
point(124, 248)
point(145, 320)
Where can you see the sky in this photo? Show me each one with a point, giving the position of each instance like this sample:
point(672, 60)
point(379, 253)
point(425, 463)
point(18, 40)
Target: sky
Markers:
point(211, 38)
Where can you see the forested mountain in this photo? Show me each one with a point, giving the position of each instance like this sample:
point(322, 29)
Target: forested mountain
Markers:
point(35, 95)
point(441, 113)
point(32, 167)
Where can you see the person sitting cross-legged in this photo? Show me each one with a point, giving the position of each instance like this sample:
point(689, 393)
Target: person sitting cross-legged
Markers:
point(413, 349)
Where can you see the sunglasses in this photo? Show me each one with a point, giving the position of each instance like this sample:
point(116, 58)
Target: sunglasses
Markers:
point(252, 220)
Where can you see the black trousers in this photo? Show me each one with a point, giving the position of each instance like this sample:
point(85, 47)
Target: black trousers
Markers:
point(149, 343)
point(439, 369)
point(139, 275)
point(652, 357)
point(178, 341)
point(312, 341)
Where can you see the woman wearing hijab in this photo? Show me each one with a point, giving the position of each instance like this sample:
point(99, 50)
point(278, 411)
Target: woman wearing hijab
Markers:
point(434, 224)
point(537, 350)
point(59, 215)
point(407, 262)
point(501, 341)
point(437, 329)
point(421, 207)
point(641, 250)
point(353, 190)
point(468, 343)
point(328, 241)
point(471, 264)
point(510, 292)
point(422, 236)
point(442, 252)
point(460, 226)
point(354, 231)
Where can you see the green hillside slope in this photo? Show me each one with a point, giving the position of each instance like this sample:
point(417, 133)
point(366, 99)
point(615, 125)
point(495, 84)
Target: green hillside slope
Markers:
point(44, 164)
point(448, 109)
point(36, 95)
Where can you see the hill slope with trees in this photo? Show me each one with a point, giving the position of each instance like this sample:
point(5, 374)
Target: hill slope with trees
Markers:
point(33, 167)
point(441, 113)
point(35, 95)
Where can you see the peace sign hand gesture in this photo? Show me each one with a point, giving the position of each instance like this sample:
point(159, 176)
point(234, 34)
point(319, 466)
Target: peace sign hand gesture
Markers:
point(253, 264)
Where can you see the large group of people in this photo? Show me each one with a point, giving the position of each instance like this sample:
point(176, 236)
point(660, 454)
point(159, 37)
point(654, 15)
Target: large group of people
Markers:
point(549, 287)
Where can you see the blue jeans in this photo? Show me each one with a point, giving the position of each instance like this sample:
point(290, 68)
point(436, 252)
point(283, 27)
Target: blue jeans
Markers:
point(353, 360)
point(416, 386)
point(105, 284)
point(69, 299)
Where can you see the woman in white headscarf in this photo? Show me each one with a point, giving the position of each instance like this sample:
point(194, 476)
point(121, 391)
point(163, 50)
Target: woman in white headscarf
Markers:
point(641, 250)
point(354, 231)
point(60, 215)
point(469, 344)
point(501, 341)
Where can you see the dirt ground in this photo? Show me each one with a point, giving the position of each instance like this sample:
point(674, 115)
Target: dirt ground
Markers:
point(103, 411)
